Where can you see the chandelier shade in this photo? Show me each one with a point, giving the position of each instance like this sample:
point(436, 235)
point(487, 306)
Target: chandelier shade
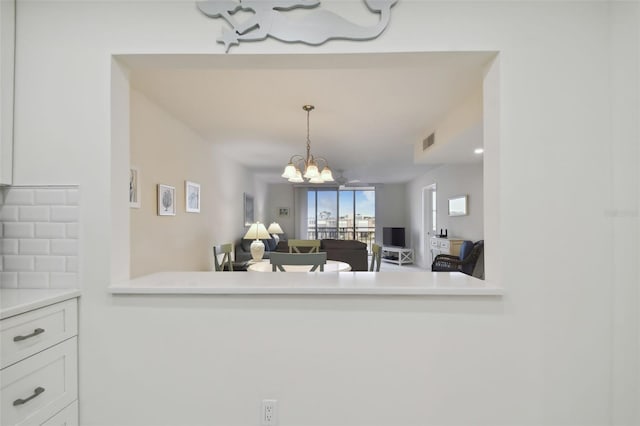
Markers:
point(301, 167)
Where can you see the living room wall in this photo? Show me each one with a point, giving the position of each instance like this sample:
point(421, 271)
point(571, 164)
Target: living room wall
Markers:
point(451, 180)
point(168, 152)
point(281, 195)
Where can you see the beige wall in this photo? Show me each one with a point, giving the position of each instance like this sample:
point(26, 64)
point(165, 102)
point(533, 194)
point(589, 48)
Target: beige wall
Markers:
point(167, 152)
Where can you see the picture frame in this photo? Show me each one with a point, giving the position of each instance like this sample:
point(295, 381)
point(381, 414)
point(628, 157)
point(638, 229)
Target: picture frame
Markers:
point(458, 205)
point(192, 197)
point(134, 187)
point(166, 200)
point(248, 210)
point(283, 211)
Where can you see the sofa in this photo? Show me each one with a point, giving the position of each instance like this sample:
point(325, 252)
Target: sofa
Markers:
point(350, 251)
point(243, 249)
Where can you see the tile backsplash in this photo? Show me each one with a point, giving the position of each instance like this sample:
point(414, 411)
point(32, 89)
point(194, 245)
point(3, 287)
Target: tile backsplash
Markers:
point(39, 237)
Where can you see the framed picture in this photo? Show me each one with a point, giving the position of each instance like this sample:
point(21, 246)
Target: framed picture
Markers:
point(166, 200)
point(283, 211)
point(192, 197)
point(248, 209)
point(134, 187)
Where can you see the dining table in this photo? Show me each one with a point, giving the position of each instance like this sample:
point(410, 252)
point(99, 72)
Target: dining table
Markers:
point(331, 266)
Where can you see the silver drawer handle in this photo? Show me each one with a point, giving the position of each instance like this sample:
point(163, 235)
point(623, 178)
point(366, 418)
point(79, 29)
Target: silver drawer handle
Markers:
point(35, 333)
point(37, 391)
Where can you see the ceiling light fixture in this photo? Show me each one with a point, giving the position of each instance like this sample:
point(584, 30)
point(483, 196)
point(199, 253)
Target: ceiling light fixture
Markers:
point(300, 167)
point(478, 151)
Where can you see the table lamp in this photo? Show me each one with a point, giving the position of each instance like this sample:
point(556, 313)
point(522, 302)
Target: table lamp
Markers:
point(275, 229)
point(257, 231)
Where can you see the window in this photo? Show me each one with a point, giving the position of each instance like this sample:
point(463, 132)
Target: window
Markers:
point(345, 214)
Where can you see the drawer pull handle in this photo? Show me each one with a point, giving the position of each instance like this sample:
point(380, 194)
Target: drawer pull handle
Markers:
point(37, 391)
point(35, 333)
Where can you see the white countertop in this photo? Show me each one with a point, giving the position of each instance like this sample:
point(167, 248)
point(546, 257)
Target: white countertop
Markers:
point(337, 283)
point(14, 301)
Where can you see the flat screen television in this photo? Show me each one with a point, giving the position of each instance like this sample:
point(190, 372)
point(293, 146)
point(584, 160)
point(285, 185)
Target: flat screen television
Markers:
point(393, 237)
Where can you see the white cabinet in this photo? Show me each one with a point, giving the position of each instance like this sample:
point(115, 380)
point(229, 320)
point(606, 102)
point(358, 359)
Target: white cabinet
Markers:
point(445, 246)
point(39, 376)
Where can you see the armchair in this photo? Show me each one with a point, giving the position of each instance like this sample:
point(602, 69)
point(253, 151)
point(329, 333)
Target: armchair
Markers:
point(466, 262)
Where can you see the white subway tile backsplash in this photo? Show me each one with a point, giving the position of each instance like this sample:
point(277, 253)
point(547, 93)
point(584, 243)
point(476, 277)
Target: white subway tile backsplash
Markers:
point(33, 213)
point(18, 196)
point(17, 263)
point(9, 213)
point(64, 214)
point(51, 230)
point(72, 263)
point(63, 280)
point(39, 234)
point(51, 197)
point(8, 246)
point(18, 230)
point(8, 279)
point(32, 246)
point(51, 264)
point(64, 247)
point(33, 279)
point(73, 197)
point(72, 230)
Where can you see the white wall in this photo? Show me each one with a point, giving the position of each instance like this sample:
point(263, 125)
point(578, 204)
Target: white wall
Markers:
point(281, 195)
point(166, 152)
point(450, 180)
point(545, 354)
point(391, 209)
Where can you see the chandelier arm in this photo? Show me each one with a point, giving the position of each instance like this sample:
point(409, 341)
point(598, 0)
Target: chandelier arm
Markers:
point(326, 163)
point(296, 157)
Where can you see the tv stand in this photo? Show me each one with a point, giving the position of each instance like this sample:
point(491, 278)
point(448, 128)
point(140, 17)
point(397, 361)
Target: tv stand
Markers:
point(398, 255)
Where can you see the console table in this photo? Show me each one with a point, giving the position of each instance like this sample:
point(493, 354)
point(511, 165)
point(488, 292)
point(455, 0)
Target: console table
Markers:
point(398, 255)
point(449, 246)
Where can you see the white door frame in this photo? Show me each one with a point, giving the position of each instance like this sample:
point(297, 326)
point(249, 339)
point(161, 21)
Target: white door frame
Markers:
point(425, 256)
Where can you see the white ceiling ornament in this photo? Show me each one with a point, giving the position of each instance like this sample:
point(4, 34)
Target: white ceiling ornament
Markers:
point(270, 19)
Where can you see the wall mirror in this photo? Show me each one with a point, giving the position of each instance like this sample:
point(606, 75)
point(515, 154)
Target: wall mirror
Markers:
point(458, 205)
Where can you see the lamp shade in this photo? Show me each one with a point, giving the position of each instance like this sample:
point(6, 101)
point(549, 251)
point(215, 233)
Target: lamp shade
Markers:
point(275, 228)
point(326, 174)
point(257, 231)
point(311, 171)
point(297, 178)
point(289, 171)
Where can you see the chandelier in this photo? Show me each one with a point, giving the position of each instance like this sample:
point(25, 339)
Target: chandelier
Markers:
point(300, 167)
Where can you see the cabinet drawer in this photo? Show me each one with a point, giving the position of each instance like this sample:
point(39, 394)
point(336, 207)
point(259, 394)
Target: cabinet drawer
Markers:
point(434, 243)
point(66, 417)
point(38, 387)
point(26, 334)
point(444, 244)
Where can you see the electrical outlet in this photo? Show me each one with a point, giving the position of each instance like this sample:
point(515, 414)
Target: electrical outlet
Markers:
point(269, 413)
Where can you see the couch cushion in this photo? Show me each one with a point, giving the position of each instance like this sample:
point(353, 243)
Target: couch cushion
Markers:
point(269, 245)
point(342, 244)
point(246, 245)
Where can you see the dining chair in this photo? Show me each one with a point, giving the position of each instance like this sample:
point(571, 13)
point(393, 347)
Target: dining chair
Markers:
point(278, 260)
point(376, 258)
point(226, 264)
point(312, 245)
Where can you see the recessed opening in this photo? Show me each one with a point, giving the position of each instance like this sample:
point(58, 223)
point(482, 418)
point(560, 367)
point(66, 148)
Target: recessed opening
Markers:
point(230, 122)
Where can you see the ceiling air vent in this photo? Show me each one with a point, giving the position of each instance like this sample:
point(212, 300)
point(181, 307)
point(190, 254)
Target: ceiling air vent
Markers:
point(428, 141)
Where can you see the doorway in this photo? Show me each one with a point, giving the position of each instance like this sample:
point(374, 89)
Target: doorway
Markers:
point(429, 221)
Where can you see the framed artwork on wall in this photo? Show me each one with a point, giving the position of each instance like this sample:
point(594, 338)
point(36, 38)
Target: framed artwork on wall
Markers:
point(283, 211)
point(134, 187)
point(248, 209)
point(192, 197)
point(166, 200)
